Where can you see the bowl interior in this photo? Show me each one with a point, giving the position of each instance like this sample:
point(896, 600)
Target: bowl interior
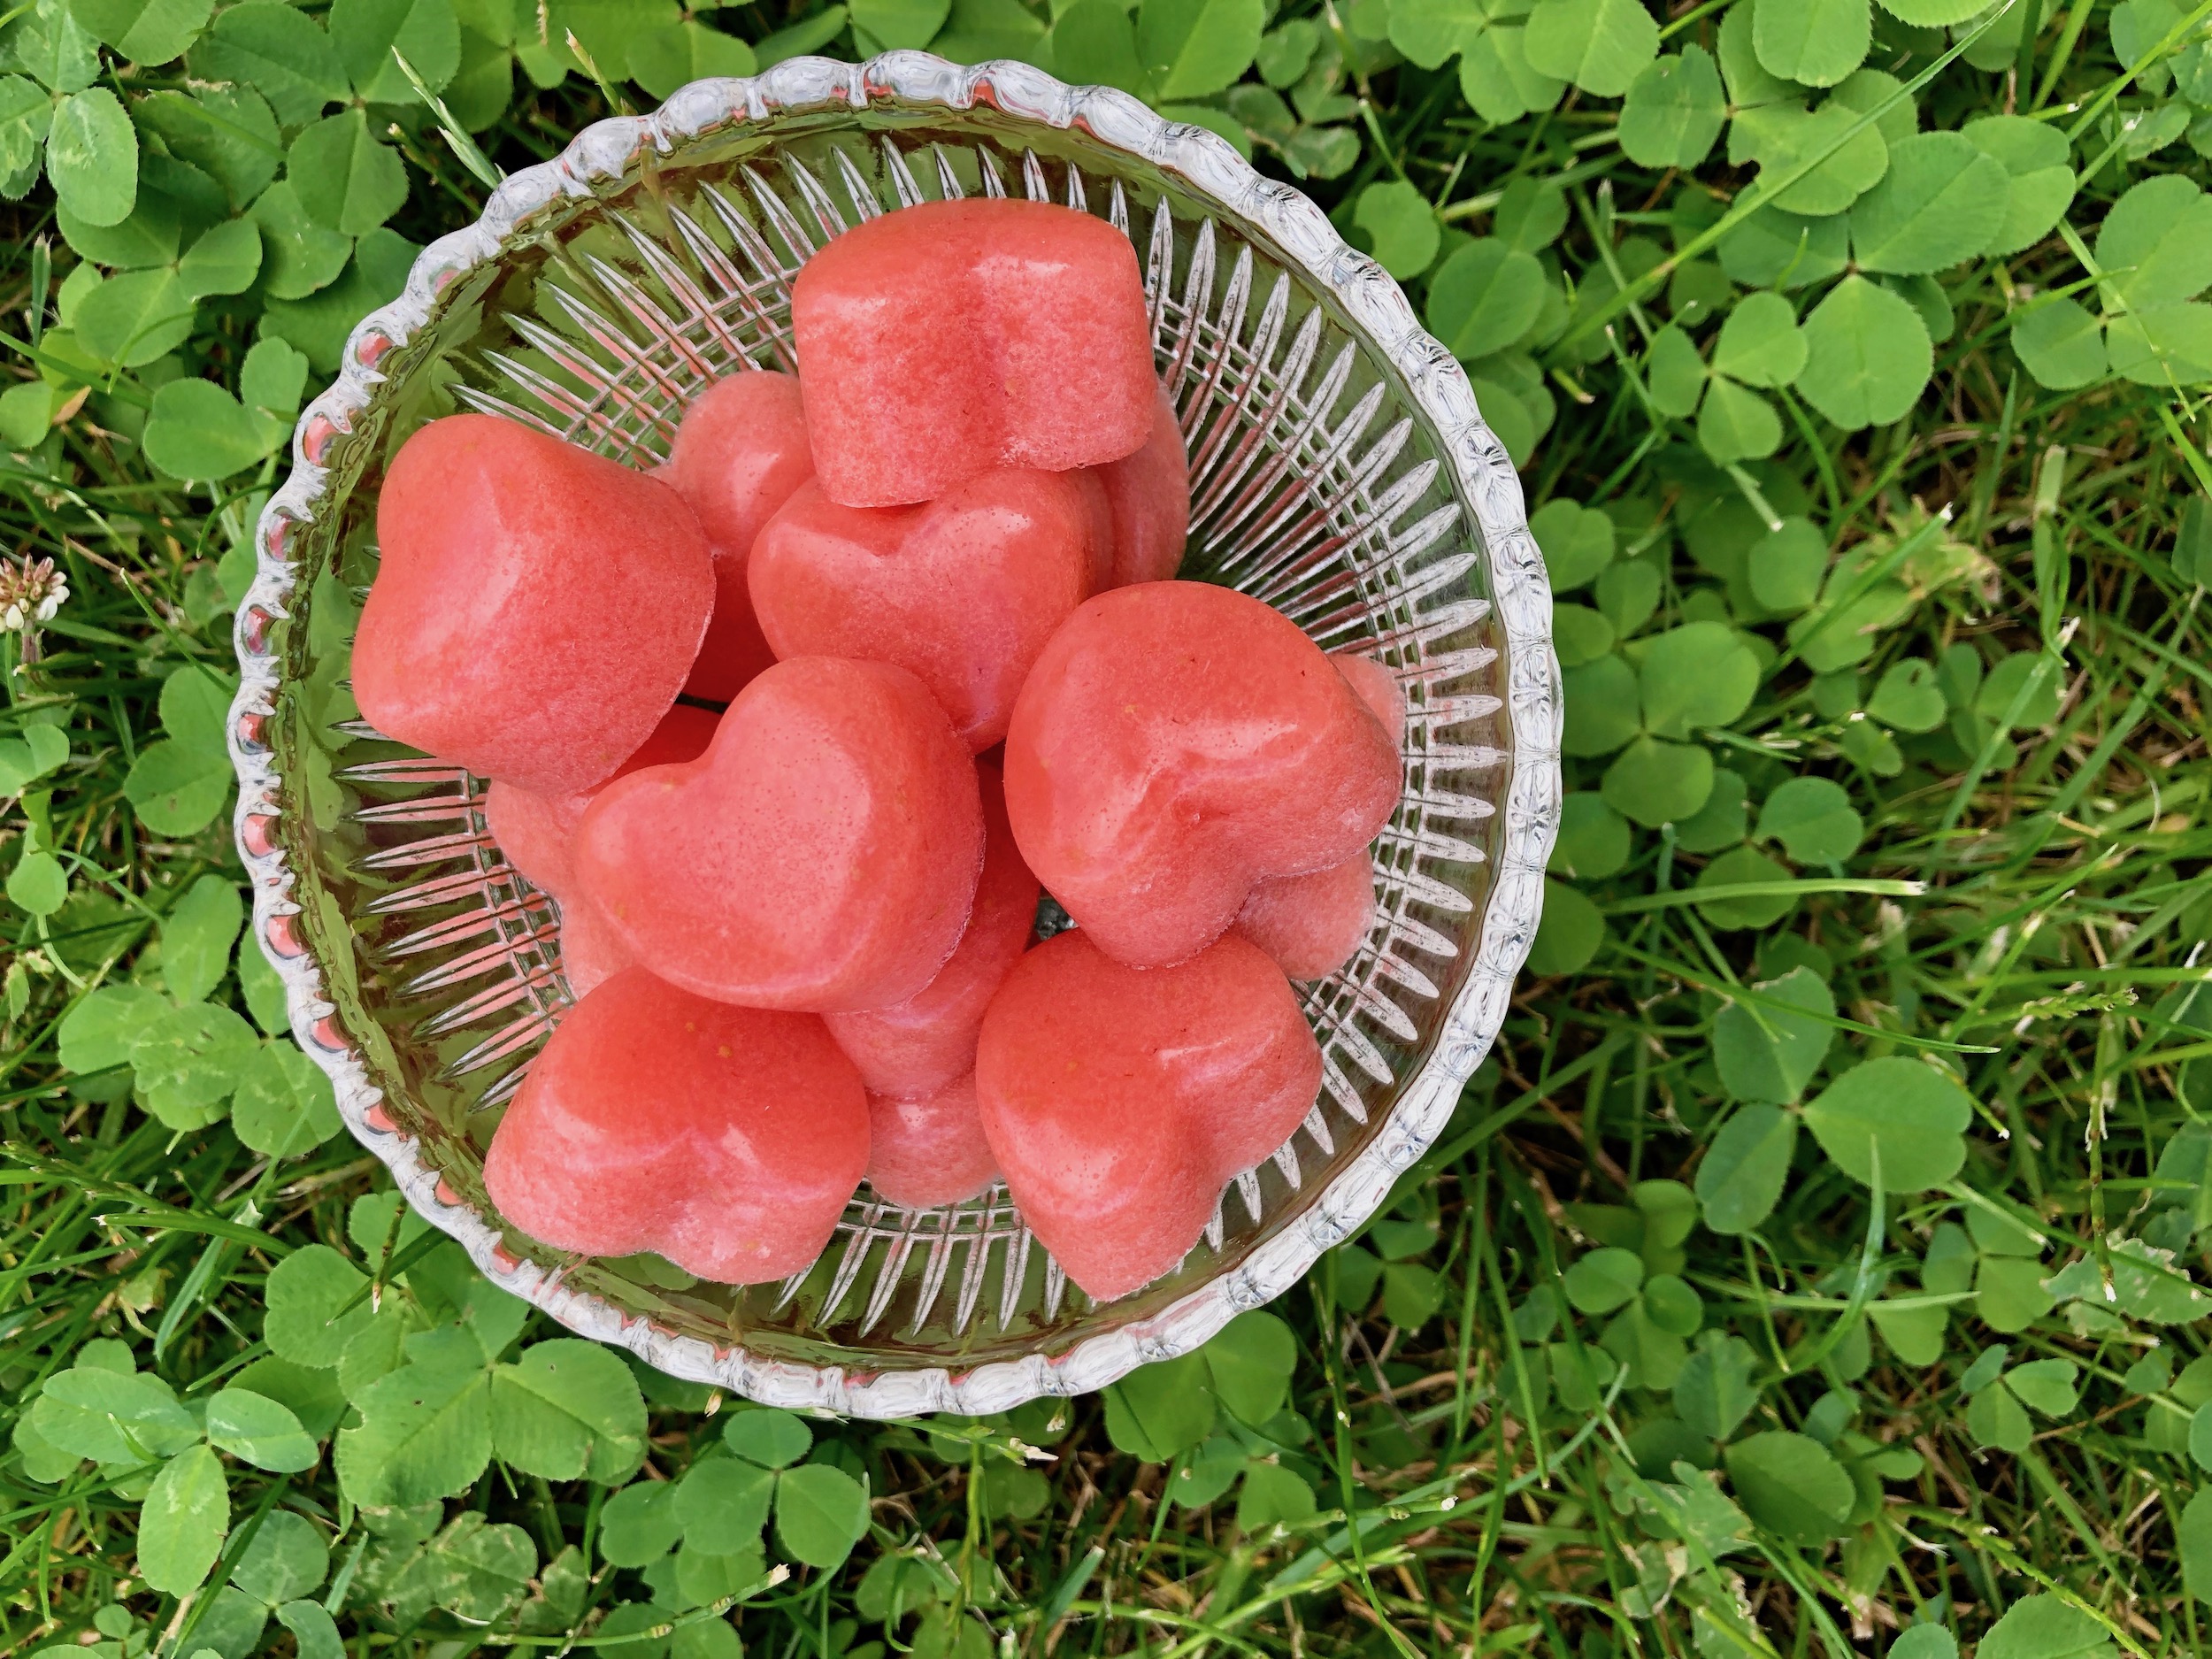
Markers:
point(1318, 485)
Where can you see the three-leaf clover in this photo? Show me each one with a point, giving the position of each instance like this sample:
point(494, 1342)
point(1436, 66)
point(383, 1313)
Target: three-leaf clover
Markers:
point(179, 783)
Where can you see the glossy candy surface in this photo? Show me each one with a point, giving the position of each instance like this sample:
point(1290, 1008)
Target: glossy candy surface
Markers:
point(1118, 1101)
point(929, 1150)
point(726, 1139)
point(914, 1047)
point(821, 855)
point(1148, 497)
point(1176, 744)
point(963, 591)
point(739, 453)
point(948, 338)
point(537, 607)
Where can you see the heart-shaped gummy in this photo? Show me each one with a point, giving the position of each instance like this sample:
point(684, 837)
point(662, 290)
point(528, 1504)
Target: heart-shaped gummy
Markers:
point(1119, 1101)
point(1148, 501)
point(963, 590)
point(1312, 924)
point(916, 1047)
point(726, 1139)
point(591, 952)
point(822, 854)
point(931, 1149)
point(949, 338)
point(739, 453)
point(1176, 744)
point(534, 830)
point(536, 609)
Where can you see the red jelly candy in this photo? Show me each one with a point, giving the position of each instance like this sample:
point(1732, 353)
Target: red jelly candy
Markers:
point(943, 340)
point(591, 953)
point(1176, 744)
point(537, 608)
point(1118, 1102)
point(534, 830)
point(739, 453)
point(822, 854)
point(963, 591)
point(728, 1139)
point(530, 830)
point(1311, 924)
point(930, 1150)
point(1378, 688)
point(918, 1046)
point(1147, 496)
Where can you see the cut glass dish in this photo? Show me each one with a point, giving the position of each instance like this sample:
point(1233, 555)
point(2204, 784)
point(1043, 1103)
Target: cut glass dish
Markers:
point(1340, 470)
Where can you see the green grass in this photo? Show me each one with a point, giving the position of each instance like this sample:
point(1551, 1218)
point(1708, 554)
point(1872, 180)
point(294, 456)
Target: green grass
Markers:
point(1492, 1430)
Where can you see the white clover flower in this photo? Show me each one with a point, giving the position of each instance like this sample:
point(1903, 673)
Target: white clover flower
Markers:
point(30, 593)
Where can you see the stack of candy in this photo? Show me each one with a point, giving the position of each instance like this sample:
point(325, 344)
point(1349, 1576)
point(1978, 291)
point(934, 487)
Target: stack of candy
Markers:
point(929, 584)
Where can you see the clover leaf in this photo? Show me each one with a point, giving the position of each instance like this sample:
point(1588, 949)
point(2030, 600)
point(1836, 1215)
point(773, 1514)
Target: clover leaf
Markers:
point(1829, 158)
point(1701, 674)
point(1577, 541)
point(186, 1060)
point(1904, 1111)
point(1867, 355)
point(1594, 839)
point(182, 1528)
point(1942, 200)
point(2046, 1626)
point(1400, 224)
point(1191, 47)
point(1654, 782)
point(1741, 1177)
point(1816, 42)
point(1791, 1485)
point(1716, 1390)
point(1674, 111)
point(568, 1409)
point(1485, 297)
point(180, 783)
point(144, 31)
point(1600, 45)
point(1570, 933)
point(1760, 343)
point(1604, 1279)
point(1814, 819)
point(2034, 156)
point(1764, 1050)
point(346, 179)
point(92, 157)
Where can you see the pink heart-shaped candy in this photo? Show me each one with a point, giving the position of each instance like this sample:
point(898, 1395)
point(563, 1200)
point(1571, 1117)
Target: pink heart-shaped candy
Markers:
point(821, 855)
point(949, 338)
point(929, 1149)
point(1313, 924)
point(916, 1047)
point(534, 830)
point(536, 608)
point(1148, 500)
point(963, 591)
point(739, 453)
point(1119, 1101)
point(1177, 743)
point(726, 1139)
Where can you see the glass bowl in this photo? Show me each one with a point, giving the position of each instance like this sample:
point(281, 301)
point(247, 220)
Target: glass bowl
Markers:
point(1339, 469)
